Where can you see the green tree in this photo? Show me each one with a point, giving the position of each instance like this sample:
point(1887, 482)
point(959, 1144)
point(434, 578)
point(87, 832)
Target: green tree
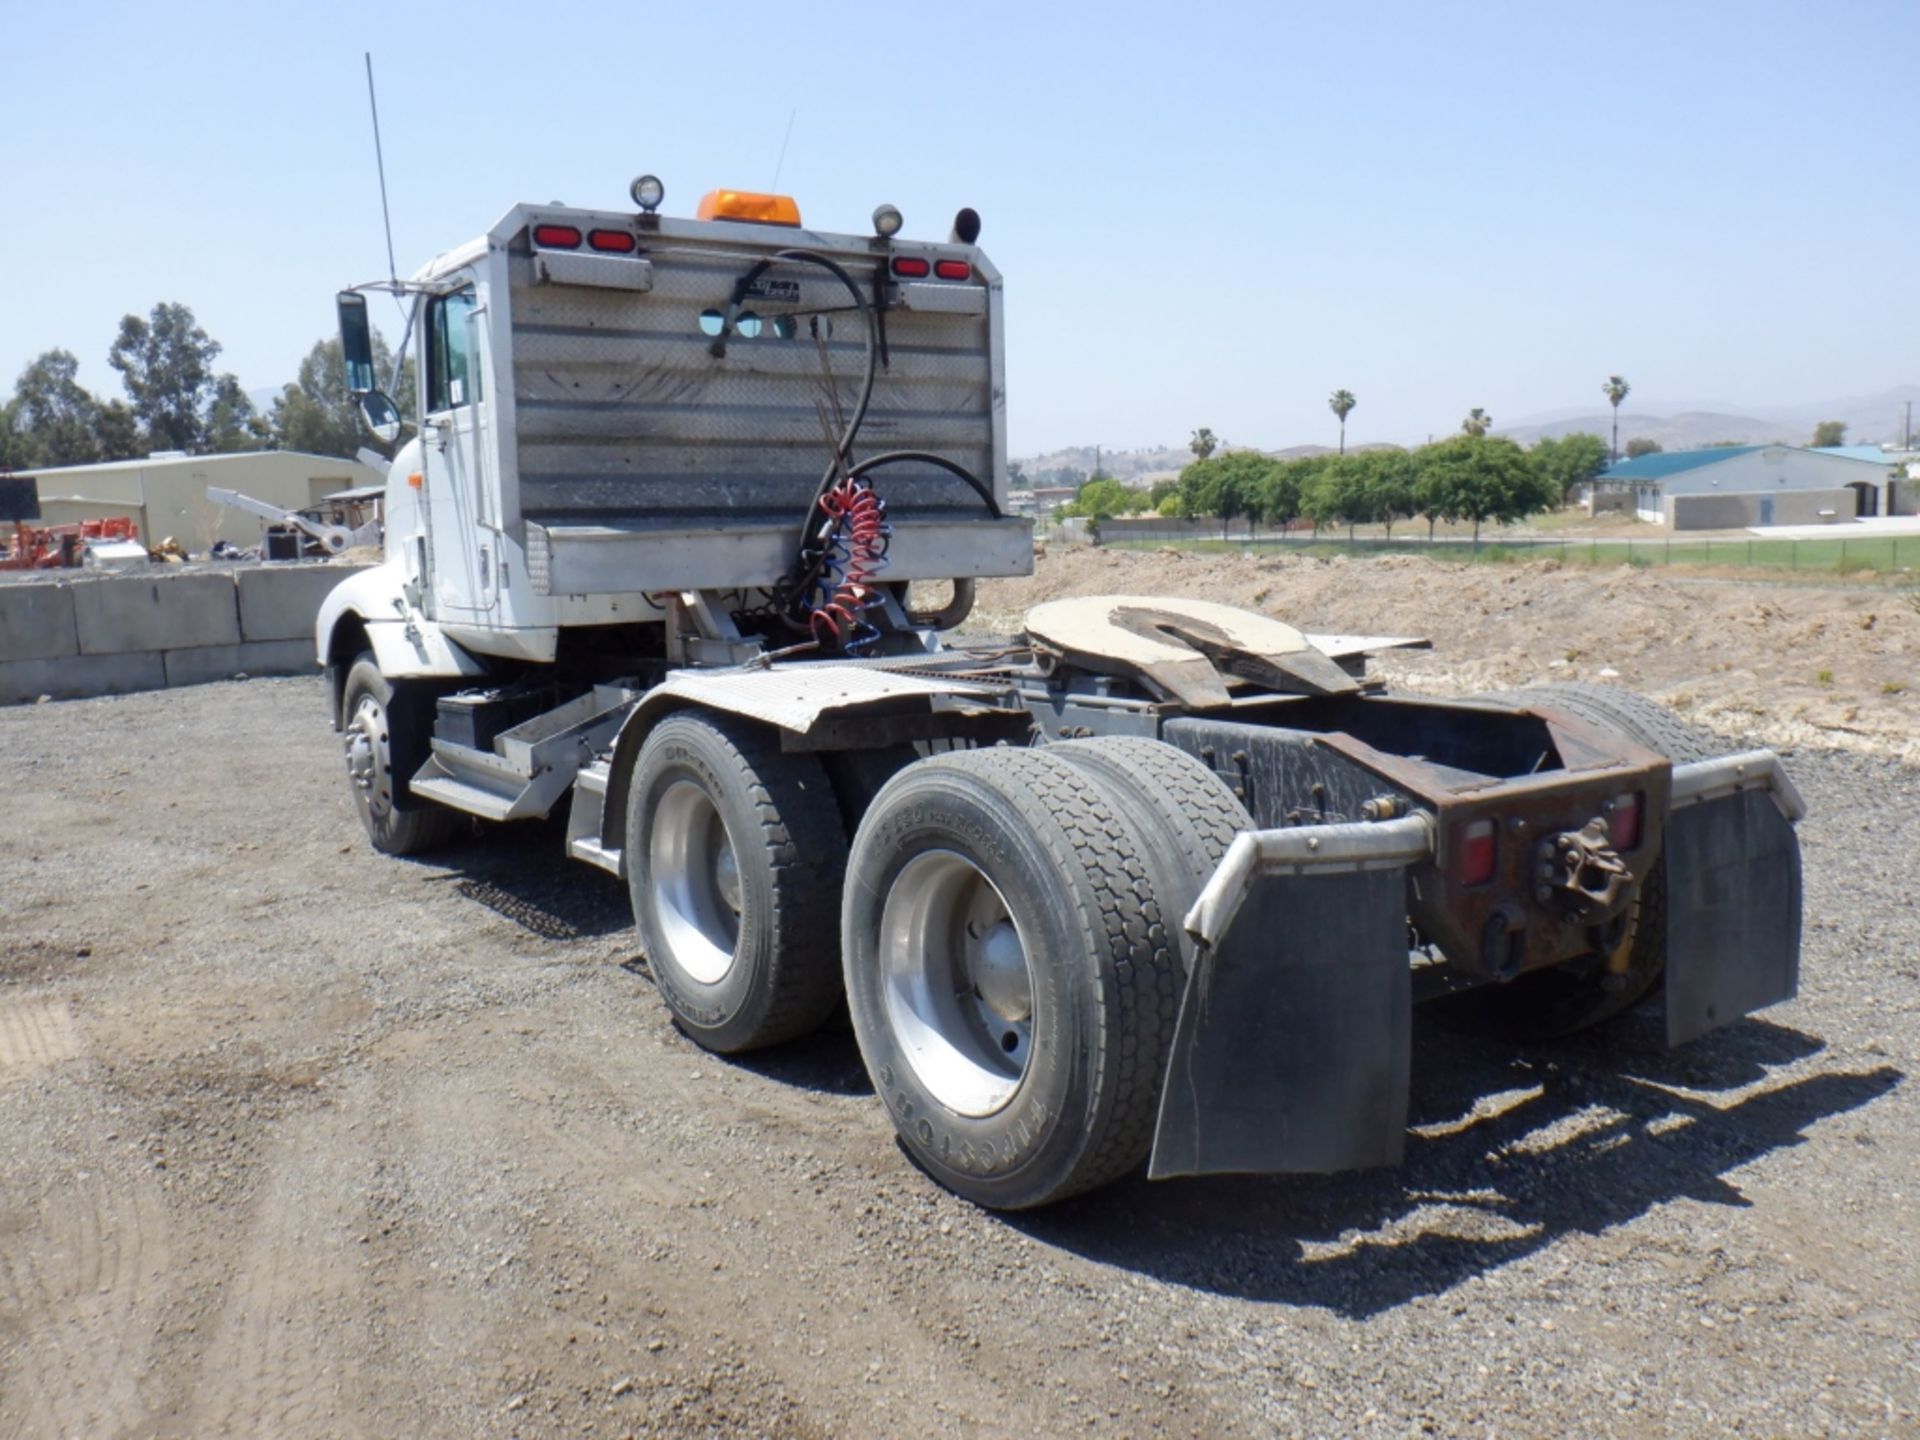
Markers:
point(15, 451)
point(117, 431)
point(1171, 507)
point(1223, 485)
point(1341, 402)
point(1616, 389)
point(1281, 492)
point(1476, 422)
point(1343, 493)
point(1394, 479)
point(166, 363)
point(1473, 477)
point(316, 414)
point(1203, 443)
point(1571, 460)
point(1641, 445)
point(1161, 490)
point(53, 412)
point(233, 424)
point(1101, 498)
point(1829, 432)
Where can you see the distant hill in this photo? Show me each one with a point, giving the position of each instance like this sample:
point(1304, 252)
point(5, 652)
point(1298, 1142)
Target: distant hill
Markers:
point(1689, 430)
point(1870, 420)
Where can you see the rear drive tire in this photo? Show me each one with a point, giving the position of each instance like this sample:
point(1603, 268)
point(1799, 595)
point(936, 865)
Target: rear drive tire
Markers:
point(1012, 978)
point(1183, 815)
point(1550, 1004)
point(386, 727)
point(736, 855)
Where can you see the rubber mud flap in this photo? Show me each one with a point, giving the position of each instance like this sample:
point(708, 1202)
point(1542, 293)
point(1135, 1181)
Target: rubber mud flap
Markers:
point(1291, 1050)
point(1733, 912)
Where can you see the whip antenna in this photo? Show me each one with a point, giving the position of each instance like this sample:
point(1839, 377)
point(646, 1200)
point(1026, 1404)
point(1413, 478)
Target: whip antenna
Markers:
point(380, 160)
point(781, 163)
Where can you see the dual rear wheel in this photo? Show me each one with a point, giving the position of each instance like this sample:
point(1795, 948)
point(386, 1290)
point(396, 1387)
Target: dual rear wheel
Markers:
point(1005, 928)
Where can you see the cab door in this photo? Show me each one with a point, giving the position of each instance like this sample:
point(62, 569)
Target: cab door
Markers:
point(464, 549)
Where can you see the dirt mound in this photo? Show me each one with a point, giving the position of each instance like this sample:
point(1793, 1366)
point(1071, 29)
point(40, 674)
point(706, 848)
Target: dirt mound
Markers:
point(1784, 663)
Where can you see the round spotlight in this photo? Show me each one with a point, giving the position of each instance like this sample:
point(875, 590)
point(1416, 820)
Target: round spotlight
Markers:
point(886, 222)
point(647, 192)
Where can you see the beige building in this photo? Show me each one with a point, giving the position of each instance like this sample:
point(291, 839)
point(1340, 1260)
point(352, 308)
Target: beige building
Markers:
point(166, 495)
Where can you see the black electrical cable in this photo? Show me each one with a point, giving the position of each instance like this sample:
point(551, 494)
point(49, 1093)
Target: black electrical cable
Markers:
point(811, 558)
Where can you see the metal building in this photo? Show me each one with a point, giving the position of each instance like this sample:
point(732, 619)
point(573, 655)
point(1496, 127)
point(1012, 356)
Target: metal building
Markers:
point(1736, 486)
point(166, 495)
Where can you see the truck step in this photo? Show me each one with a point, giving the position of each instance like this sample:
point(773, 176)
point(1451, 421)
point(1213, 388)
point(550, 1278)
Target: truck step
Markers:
point(583, 820)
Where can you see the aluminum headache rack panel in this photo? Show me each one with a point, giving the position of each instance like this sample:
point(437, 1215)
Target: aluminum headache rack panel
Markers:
point(634, 445)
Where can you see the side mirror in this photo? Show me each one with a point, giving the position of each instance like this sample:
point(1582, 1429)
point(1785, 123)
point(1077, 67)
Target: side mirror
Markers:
point(356, 343)
point(380, 415)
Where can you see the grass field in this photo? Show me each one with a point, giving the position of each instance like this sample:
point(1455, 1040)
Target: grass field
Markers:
point(1890, 555)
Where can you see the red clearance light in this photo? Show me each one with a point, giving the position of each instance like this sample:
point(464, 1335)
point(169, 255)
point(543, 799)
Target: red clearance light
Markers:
point(1624, 821)
point(1474, 843)
point(953, 270)
point(619, 242)
point(910, 267)
point(557, 237)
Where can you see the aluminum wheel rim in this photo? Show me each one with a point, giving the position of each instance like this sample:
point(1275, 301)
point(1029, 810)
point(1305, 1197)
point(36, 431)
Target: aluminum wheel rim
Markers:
point(957, 982)
point(694, 880)
point(370, 756)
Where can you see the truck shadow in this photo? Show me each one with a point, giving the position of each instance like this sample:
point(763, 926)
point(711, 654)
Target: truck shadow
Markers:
point(522, 874)
point(1508, 1149)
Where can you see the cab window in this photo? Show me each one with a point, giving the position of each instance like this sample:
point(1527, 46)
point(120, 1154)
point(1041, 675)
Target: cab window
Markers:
point(453, 373)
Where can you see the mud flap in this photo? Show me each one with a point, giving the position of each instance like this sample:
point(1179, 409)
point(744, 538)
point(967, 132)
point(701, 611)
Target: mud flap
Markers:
point(1733, 911)
point(1291, 1051)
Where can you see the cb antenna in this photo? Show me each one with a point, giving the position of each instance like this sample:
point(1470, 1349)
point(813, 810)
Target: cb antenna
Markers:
point(781, 163)
point(380, 160)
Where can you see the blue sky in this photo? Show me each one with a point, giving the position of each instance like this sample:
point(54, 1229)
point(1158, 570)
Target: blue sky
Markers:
point(1206, 214)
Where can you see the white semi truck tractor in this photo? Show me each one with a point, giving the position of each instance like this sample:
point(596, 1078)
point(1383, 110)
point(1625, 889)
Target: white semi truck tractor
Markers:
point(1153, 882)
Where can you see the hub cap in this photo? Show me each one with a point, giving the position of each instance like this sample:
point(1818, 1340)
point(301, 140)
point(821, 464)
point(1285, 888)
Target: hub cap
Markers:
point(370, 757)
point(694, 882)
point(957, 984)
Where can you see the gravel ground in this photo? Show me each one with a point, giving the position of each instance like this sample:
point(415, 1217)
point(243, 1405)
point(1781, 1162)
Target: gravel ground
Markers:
point(295, 1140)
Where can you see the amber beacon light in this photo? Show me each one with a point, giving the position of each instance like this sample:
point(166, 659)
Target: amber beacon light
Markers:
point(746, 205)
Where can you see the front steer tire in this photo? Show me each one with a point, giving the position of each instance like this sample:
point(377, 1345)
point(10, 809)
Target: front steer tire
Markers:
point(387, 729)
point(970, 869)
point(736, 853)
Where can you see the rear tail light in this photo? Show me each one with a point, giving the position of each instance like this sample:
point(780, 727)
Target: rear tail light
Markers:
point(1624, 821)
point(557, 237)
point(617, 242)
point(911, 267)
point(1474, 845)
point(953, 270)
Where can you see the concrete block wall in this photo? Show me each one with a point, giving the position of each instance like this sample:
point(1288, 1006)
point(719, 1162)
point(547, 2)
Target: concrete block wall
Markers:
point(67, 636)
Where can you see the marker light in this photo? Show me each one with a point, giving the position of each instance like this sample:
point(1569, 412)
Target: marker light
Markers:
point(910, 267)
point(557, 237)
point(953, 269)
point(887, 222)
point(616, 242)
point(747, 205)
point(1475, 850)
point(1623, 821)
point(647, 192)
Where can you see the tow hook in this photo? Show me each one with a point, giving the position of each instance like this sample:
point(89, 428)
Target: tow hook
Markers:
point(1584, 872)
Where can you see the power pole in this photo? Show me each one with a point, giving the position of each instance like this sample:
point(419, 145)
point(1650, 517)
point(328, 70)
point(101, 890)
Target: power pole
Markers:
point(1906, 429)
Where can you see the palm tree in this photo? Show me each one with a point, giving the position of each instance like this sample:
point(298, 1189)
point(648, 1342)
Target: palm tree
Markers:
point(1476, 422)
point(1203, 443)
point(1616, 389)
point(1342, 403)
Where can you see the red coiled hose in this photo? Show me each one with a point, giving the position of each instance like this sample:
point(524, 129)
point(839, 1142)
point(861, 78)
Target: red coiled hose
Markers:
point(858, 548)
